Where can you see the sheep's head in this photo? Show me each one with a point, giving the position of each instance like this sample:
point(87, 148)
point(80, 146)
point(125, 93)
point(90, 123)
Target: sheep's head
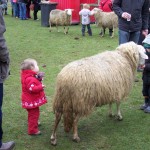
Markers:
point(142, 55)
point(95, 11)
point(69, 12)
point(135, 52)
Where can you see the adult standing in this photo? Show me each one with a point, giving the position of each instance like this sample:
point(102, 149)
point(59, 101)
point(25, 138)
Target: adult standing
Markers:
point(4, 65)
point(142, 37)
point(106, 6)
point(22, 9)
point(132, 18)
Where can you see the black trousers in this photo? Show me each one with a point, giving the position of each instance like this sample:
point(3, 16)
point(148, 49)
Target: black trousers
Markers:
point(1, 102)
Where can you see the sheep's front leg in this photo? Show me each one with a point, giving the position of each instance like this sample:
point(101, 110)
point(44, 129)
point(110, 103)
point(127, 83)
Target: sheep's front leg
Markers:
point(57, 120)
point(102, 32)
point(50, 27)
point(57, 28)
point(118, 116)
point(110, 113)
point(75, 129)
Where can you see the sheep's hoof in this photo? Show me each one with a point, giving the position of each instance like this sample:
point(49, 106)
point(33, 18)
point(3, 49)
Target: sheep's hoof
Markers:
point(111, 37)
point(49, 30)
point(119, 118)
point(54, 142)
point(66, 32)
point(76, 139)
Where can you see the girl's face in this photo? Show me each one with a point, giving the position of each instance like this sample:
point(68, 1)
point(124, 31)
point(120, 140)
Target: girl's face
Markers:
point(36, 67)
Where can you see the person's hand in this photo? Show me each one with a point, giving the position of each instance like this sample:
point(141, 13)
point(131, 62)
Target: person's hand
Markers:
point(126, 15)
point(43, 86)
point(142, 66)
point(145, 32)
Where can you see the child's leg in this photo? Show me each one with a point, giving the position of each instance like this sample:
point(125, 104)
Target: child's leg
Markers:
point(83, 29)
point(147, 110)
point(33, 117)
point(89, 30)
point(146, 96)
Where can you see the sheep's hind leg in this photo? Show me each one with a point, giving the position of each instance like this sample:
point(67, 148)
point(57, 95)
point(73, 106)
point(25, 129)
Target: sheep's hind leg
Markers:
point(75, 129)
point(57, 120)
point(118, 116)
point(113, 33)
point(65, 30)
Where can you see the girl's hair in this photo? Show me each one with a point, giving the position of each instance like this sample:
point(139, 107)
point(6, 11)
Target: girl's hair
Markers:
point(27, 64)
point(87, 6)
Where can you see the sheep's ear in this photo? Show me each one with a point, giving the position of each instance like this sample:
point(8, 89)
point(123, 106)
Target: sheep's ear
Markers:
point(142, 52)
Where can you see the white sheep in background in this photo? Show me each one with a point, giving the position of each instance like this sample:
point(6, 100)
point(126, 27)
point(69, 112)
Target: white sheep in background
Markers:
point(95, 81)
point(60, 18)
point(105, 19)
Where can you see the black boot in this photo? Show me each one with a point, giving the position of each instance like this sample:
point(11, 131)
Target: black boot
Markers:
point(145, 105)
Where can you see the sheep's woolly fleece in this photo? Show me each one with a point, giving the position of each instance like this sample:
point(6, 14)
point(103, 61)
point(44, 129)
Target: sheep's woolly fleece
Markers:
point(96, 80)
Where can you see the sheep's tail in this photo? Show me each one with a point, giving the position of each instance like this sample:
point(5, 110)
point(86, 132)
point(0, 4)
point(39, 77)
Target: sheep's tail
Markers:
point(68, 116)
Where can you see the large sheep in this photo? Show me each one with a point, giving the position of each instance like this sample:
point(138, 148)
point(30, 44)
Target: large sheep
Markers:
point(95, 81)
point(60, 17)
point(105, 19)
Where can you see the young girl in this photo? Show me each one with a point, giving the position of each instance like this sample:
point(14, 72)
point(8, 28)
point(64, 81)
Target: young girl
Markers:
point(85, 13)
point(146, 77)
point(33, 94)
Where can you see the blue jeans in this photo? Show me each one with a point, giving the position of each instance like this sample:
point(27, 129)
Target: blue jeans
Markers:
point(88, 27)
point(128, 36)
point(1, 102)
point(22, 9)
point(16, 9)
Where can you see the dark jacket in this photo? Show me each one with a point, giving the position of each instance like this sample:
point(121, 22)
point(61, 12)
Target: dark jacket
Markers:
point(4, 53)
point(3, 4)
point(146, 71)
point(36, 4)
point(139, 10)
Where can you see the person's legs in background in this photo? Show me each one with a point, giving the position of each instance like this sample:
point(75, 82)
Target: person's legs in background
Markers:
point(9, 145)
point(83, 29)
point(134, 36)
point(123, 36)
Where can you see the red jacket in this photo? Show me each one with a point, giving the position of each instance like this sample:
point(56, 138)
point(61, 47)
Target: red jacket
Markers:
point(32, 91)
point(106, 5)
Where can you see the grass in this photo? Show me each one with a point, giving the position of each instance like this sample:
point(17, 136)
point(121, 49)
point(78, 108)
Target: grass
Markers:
point(27, 39)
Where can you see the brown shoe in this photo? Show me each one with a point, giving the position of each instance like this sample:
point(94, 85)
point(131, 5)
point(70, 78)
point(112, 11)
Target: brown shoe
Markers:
point(7, 146)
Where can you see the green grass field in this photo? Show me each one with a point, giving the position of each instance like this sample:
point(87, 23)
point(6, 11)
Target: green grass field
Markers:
point(28, 39)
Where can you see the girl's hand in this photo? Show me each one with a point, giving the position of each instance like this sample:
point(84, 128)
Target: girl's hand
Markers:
point(43, 86)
